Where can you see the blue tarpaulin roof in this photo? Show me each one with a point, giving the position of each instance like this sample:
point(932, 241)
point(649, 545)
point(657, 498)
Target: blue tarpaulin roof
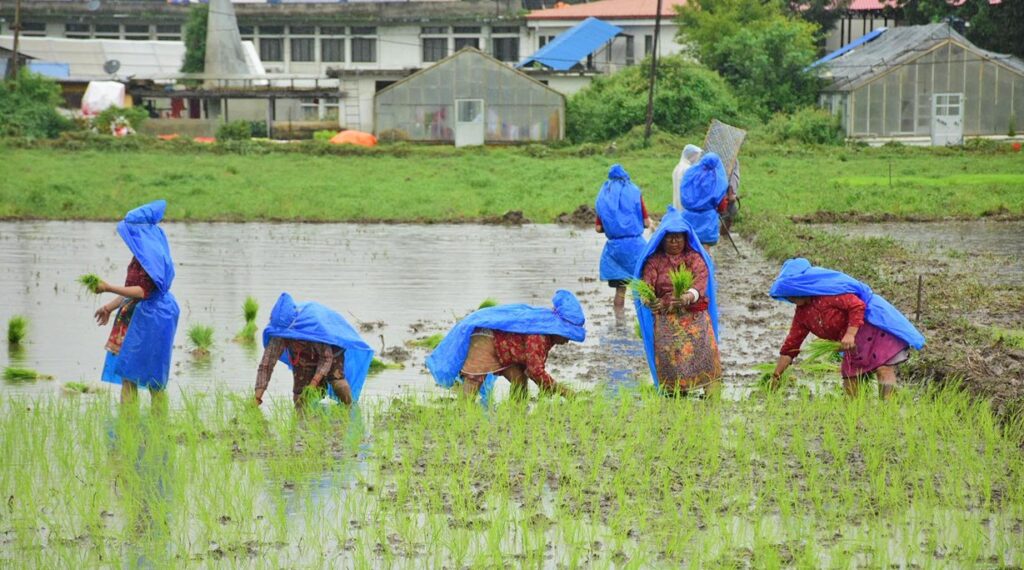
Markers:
point(852, 45)
point(573, 45)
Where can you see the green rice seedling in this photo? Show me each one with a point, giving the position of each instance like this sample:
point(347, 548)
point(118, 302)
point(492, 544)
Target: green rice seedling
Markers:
point(430, 342)
point(643, 291)
point(820, 348)
point(76, 388)
point(249, 309)
point(17, 329)
point(488, 302)
point(18, 374)
point(91, 281)
point(248, 333)
point(682, 281)
point(1009, 337)
point(201, 337)
point(378, 365)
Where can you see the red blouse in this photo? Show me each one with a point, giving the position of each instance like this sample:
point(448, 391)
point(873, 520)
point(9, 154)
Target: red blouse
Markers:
point(527, 350)
point(827, 316)
point(137, 277)
point(643, 209)
point(660, 264)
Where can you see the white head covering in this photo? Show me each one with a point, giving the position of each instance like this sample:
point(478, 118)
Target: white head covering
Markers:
point(690, 156)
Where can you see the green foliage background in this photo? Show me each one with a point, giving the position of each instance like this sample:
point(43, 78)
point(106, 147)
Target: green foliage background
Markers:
point(28, 107)
point(195, 40)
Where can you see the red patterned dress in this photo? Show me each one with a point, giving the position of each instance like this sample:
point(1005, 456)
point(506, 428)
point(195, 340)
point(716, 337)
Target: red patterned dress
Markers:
point(510, 355)
point(136, 277)
point(828, 317)
point(685, 350)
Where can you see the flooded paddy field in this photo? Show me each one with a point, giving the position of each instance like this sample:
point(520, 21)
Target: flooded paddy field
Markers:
point(396, 283)
point(411, 477)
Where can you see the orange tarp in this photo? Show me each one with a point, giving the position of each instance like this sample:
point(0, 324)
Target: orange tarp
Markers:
point(354, 137)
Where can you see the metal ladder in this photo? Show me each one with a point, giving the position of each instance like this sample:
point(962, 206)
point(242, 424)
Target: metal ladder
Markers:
point(351, 102)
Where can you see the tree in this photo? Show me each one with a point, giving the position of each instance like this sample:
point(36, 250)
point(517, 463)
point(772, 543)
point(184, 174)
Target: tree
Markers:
point(686, 98)
point(823, 13)
point(759, 49)
point(195, 40)
point(28, 107)
point(997, 27)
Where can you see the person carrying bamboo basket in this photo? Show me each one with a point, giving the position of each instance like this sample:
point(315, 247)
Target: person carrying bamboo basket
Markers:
point(142, 337)
point(703, 195)
point(507, 340)
point(675, 296)
point(873, 335)
point(326, 355)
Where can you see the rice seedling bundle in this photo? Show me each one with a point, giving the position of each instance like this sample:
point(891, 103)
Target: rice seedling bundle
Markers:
point(378, 365)
point(820, 348)
point(17, 374)
point(488, 302)
point(17, 329)
point(430, 342)
point(250, 308)
point(682, 281)
point(91, 281)
point(248, 332)
point(201, 337)
point(642, 290)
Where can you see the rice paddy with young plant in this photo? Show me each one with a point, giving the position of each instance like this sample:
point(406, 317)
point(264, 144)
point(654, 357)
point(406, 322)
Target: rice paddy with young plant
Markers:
point(682, 281)
point(201, 339)
point(91, 282)
point(249, 310)
point(628, 480)
point(17, 330)
point(643, 290)
point(19, 374)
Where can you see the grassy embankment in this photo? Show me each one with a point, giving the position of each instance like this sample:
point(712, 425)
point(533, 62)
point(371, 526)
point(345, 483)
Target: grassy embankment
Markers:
point(631, 481)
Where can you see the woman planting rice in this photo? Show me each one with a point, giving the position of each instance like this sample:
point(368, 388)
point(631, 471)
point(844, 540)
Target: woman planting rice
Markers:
point(703, 194)
point(873, 335)
point(622, 217)
point(319, 346)
point(680, 325)
point(140, 342)
point(507, 340)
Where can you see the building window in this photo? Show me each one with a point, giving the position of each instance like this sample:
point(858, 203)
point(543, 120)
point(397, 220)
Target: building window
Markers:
point(78, 31)
point(271, 49)
point(108, 31)
point(303, 49)
point(467, 29)
point(243, 30)
point(332, 30)
point(271, 30)
point(169, 32)
point(544, 40)
point(648, 45)
point(136, 32)
point(435, 49)
point(630, 47)
point(505, 30)
point(506, 49)
point(302, 30)
point(33, 28)
point(364, 50)
point(467, 42)
point(364, 30)
point(434, 30)
point(332, 49)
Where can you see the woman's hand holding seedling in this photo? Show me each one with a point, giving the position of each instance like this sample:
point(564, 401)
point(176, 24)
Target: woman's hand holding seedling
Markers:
point(849, 339)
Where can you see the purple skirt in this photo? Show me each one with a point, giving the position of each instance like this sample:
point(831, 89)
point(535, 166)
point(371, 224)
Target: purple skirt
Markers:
point(873, 348)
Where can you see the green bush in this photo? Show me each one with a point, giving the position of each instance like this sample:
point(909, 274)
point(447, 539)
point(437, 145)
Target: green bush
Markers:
point(324, 136)
point(28, 107)
point(134, 115)
point(258, 129)
point(686, 98)
point(234, 131)
point(808, 125)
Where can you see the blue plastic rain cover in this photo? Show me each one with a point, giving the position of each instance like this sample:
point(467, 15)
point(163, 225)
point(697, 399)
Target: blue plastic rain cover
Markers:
point(565, 318)
point(145, 356)
point(799, 278)
point(619, 207)
point(573, 45)
point(672, 222)
point(314, 322)
point(702, 189)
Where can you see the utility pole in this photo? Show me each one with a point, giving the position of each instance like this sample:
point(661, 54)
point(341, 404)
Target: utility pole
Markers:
point(17, 33)
point(654, 70)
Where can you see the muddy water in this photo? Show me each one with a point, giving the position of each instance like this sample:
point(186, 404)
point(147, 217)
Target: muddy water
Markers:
point(997, 248)
point(397, 282)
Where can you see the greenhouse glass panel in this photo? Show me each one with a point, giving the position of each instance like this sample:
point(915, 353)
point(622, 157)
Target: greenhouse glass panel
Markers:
point(876, 105)
point(1003, 105)
point(972, 96)
point(860, 111)
point(988, 99)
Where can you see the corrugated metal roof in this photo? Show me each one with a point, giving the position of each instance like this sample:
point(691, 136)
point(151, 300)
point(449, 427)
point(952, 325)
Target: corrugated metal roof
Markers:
point(573, 45)
point(139, 59)
point(896, 47)
point(609, 10)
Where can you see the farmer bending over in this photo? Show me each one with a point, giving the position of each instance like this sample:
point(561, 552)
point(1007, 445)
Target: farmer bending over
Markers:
point(324, 352)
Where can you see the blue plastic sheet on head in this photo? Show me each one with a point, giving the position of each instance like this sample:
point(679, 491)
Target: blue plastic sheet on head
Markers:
point(145, 355)
point(565, 319)
point(314, 322)
point(702, 189)
point(672, 222)
point(620, 209)
point(798, 278)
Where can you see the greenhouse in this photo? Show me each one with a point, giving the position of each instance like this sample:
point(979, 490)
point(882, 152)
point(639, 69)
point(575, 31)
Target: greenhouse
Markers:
point(469, 98)
point(924, 82)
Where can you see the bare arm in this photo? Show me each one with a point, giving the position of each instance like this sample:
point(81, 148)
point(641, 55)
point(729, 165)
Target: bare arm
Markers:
point(270, 356)
point(780, 369)
point(102, 314)
point(133, 291)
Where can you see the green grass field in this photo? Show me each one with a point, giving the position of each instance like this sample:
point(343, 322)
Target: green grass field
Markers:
point(445, 184)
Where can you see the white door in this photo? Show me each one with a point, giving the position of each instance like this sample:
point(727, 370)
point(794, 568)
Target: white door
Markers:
point(469, 122)
point(947, 119)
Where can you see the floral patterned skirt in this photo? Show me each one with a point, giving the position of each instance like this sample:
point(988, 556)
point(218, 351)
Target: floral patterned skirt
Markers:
point(685, 351)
